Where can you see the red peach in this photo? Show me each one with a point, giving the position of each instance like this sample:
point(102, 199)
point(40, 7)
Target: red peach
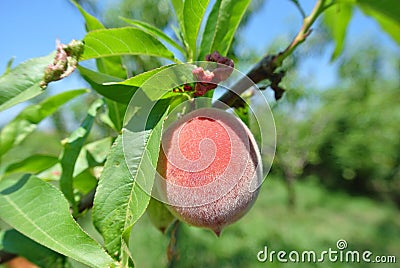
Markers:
point(211, 166)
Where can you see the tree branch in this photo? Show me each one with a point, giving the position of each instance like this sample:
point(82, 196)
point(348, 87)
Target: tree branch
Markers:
point(265, 69)
point(172, 249)
point(6, 256)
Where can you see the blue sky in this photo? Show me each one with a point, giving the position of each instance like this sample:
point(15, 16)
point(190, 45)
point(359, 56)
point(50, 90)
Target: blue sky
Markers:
point(30, 28)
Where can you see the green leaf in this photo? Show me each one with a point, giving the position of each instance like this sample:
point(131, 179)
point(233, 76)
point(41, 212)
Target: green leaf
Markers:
point(25, 206)
point(107, 85)
point(110, 65)
point(159, 215)
point(85, 182)
point(116, 112)
point(33, 164)
point(22, 82)
point(9, 66)
point(178, 7)
point(388, 8)
point(386, 13)
point(193, 13)
point(337, 19)
point(26, 122)
point(123, 41)
point(155, 32)
point(14, 242)
point(91, 23)
point(221, 26)
point(156, 83)
point(92, 154)
point(111, 207)
point(72, 148)
point(138, 80)
point(210, 31)
point(120, 201)
point(387, 24)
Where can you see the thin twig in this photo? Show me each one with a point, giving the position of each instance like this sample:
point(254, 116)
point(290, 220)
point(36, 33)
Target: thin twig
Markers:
point(6, 256)
point(172, 249)
point(265, 69)
point(87, 201)
point(304, 32)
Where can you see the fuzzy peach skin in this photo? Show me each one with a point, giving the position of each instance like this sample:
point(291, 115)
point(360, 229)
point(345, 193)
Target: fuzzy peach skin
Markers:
point(209, 162)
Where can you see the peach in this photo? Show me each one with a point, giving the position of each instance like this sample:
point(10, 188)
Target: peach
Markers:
point(211, 167)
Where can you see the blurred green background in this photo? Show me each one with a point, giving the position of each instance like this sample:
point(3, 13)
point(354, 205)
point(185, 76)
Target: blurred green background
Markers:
point(336, 173)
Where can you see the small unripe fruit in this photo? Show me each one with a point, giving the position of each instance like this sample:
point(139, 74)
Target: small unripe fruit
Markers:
point(211, 167)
